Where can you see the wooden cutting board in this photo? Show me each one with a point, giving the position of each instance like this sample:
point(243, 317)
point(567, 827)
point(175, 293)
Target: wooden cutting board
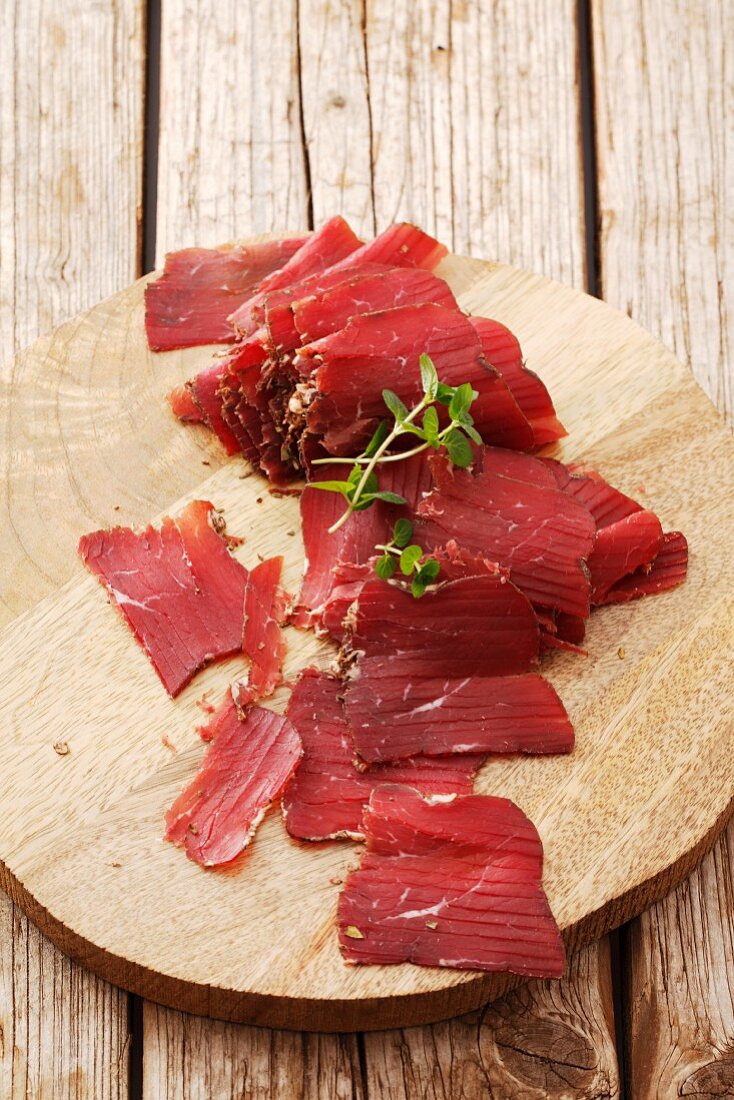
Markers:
point(89, 440)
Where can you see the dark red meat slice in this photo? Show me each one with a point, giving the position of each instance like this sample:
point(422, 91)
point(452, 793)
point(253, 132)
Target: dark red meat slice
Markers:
point(502, 350)
point(449, 883)
point(334, 241)
point(400, 245)
point(667, 571)
point(328, 794)
point(381, 350)
point(246, 767)
point(177, 586)
point(540, 534)
point(266, 609)
point(606, 504)
point(355, 542)
point(184, 406)
point(393, 714)
point(190, 302)
point(621, 548)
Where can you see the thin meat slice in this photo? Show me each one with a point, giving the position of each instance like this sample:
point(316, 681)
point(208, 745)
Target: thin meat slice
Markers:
point(400, 245)
point(333, 242)
point(328, 794)
point(394, 713)
point(342, 404)
point(606, 504)
point(667, 571)
point(247, 765)
point(266, 609)
point(502, 350)
point(183, 405)
point(449, 882)
point(177, 586)
point(354, 543)
point(540, 534)
point(190, 302)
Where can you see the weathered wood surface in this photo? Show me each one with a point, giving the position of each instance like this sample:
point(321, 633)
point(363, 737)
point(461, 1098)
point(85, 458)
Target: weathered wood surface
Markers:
point(393, 95)
point(71, 130)
point(665, 130)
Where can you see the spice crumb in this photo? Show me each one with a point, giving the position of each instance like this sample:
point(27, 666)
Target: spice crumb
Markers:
point(336, 881)
point(431, 924)
point(116, 508)
point(205, 462)
point(290, 532)
point(259, 500)
point(193, 829)
point(165, 740)
point(353, 932)
point(115, 863)
point(61, 748)
point(620, 652)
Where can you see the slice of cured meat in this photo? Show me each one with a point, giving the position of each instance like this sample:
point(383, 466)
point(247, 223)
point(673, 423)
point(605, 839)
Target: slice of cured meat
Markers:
point(540, 534)
point(177, 586)
point(266, 609)
point(667, 571)
point(342, 401)
point(334, 241)
point(393, 714)
point(184, 406)
point(327, 795)
point(246, 767)
point(400, 245)
point(502, 350)
point(190, 302)
point(449, 883)
point(354, 543)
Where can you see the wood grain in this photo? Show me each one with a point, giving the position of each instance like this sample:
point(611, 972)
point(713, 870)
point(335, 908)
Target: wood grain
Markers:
point(71, 125)
point(667, 246)
point(626, 403)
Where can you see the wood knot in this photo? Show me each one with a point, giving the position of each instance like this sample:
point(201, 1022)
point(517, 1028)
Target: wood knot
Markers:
point(715, 1079)
point(547, 1055)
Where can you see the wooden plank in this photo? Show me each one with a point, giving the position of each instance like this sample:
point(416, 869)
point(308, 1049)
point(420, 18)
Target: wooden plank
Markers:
point(665, 123)
point(544, 1041)
point(190, 1058)
point(71, 129)
point(231, 160)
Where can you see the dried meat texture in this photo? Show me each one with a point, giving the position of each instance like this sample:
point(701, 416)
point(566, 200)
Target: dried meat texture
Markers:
point(342, 401)
point(266, 609)
point(333, 242)
point(326, 799)
point(183, 405)
point(668, 570)
point(354, 543)
point(540, 534)
point(246, 767)
point(394, 714)
point(190, 302)
point(502, 350)
point(400, 245)
point(449, 883)
point(178, 587)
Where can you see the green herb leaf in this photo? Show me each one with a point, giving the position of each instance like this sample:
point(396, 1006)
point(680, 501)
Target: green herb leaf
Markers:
point(377, 439)
point(429, 570)
point(408, 559)
point(473, 434)
point(402, 533)
point(342, 487)
point(429, 378)
point(459, 448)
point(417, 587)
point(444, 393)
point(395, 405)
point(385, 566)
point(430, 425)
point(383, 494)
point(461, 401)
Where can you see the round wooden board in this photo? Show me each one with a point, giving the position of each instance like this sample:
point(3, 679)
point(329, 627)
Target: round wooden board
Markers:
point(89, 440)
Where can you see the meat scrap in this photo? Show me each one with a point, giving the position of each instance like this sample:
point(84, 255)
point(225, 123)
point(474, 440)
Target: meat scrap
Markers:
point(326, 798)
point(246, 767)
point(178, 587)
point(190, 302)
point(449, 882)
point(667, 571)
point(266, 608)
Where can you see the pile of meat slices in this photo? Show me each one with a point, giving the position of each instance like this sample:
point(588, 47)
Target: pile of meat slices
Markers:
point(385, 746)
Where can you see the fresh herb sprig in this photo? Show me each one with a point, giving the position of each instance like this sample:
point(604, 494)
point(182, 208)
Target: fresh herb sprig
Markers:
point(361, 487)
point(400, 553)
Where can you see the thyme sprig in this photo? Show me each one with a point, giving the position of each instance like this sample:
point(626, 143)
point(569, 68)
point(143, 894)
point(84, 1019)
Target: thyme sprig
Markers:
point(361, 489)
point(408, 557)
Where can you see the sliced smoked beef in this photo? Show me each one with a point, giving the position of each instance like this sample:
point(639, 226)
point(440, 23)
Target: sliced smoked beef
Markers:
point(266, 609)
point(449, 882)
point(177, 586)
point(183, 405)
point(448, 672)
point(247, 765)
point(667, 571)
point(329, 244)
point(354, 543)
point(190, 302)
point(539, 533)
point(341, 401)
point(502, 350)
point(326, 798)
